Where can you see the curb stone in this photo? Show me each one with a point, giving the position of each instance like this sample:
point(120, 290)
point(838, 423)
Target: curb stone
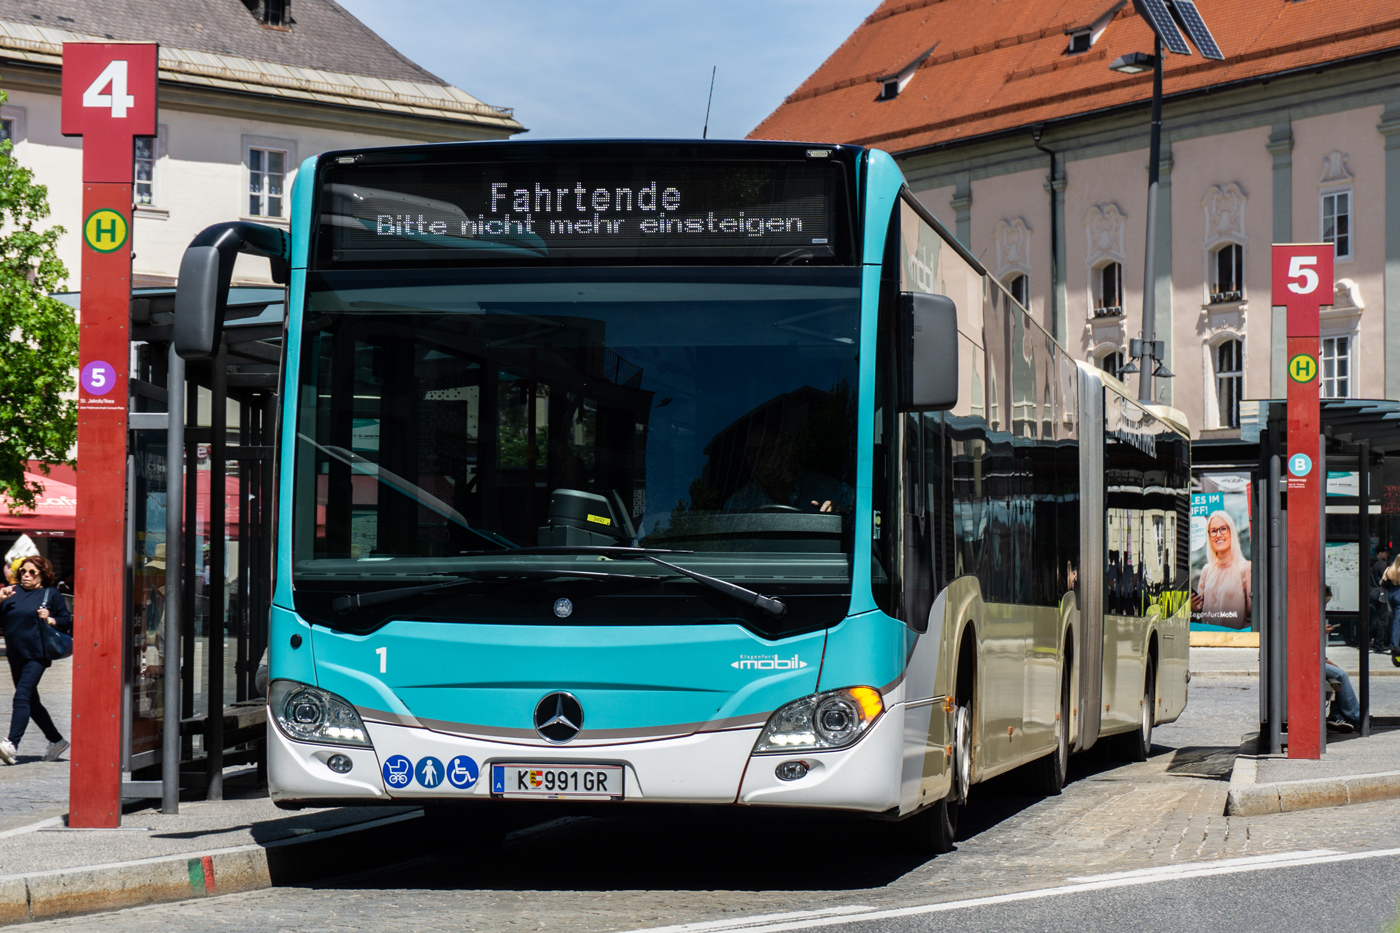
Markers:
point(67, 892)
point(1249, 798)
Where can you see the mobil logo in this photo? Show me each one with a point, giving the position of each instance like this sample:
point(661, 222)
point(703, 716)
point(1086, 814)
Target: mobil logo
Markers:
point(768, 662)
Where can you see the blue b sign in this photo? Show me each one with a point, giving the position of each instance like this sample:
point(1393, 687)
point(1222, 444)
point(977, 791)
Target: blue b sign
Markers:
point(1300, 464)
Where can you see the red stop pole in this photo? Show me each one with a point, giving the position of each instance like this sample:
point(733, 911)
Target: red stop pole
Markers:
point(109, 97)
point(1302, 283)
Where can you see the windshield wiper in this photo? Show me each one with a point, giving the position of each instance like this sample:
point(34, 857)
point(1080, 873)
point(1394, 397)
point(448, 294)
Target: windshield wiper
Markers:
point(352, 601)
point(773, 606)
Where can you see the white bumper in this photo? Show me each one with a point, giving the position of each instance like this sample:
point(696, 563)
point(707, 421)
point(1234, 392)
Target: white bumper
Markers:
point(710, 767)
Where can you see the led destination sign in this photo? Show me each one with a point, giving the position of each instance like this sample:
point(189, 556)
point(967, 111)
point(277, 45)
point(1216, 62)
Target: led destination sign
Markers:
point(474, 212)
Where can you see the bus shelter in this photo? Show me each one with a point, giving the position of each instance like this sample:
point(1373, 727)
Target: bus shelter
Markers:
point(1359, 454)
point(215, 575)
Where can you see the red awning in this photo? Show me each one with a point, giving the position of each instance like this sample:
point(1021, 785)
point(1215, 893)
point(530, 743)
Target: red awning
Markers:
point(55, 510)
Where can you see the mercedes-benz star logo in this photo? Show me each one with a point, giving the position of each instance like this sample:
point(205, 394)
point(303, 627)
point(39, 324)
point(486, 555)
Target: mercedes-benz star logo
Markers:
point(558, 718)
point(563, 608)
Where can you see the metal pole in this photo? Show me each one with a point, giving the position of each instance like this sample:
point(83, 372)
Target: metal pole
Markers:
point(1259, 567)
point(174, 581)
point(1363, 554)
point(218, 577)
point(1278, 670)
point(1146, 381)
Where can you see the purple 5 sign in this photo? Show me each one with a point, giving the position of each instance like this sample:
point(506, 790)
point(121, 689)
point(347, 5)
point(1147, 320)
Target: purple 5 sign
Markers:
point(98, 377)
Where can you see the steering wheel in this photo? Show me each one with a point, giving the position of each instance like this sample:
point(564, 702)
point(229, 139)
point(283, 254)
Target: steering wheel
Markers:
point(777, 507)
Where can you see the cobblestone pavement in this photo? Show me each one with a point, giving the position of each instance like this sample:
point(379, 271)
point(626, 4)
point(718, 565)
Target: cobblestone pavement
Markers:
point(643, 867)
point(34, 789)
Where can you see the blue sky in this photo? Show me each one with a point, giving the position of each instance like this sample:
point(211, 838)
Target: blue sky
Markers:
point(590, 68)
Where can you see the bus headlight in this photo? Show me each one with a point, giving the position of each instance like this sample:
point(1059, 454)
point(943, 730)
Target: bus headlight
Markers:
point(833, 719)
point(309, 714)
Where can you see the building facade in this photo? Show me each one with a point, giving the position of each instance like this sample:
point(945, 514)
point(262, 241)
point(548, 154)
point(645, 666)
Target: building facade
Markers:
point(247, 89)
point(1013, 130)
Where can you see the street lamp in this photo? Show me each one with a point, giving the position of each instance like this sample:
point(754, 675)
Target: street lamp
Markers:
point(1163, 16)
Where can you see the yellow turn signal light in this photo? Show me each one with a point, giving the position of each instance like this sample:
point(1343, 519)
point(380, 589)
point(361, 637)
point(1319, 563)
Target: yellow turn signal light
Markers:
point(871, 705)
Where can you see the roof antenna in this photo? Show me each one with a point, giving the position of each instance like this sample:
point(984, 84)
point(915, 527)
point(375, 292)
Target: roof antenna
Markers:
point(706, 131)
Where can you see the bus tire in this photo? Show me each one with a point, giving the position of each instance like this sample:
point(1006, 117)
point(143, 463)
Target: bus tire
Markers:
point(931, 830)
point(1049, 773)
point(1137, 745)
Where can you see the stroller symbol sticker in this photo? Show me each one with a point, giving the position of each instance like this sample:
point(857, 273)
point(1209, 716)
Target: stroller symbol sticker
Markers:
point(398, 771)
point(462, 772)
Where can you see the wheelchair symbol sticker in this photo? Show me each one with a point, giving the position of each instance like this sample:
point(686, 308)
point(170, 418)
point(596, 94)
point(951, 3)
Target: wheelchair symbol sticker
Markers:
point(462, 772)
point(429, 772)
point(398, 771)
point(1300, 464)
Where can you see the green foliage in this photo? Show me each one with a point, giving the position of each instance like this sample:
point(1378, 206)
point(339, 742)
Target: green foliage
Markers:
point(41, 350)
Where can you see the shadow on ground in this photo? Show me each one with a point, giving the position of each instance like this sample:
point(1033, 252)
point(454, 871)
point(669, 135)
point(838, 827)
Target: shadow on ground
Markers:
point(663, 847)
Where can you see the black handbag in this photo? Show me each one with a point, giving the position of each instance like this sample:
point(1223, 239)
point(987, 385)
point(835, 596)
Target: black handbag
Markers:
point(57, 645)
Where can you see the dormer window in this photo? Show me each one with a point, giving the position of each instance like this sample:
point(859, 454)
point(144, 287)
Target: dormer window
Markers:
point(892, 84)
point(1080, 40)
point(275, 14)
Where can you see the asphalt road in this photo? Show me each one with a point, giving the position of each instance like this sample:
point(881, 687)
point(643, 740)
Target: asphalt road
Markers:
point(643, 868)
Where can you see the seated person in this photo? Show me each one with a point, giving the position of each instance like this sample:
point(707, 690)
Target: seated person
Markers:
point(1346, 711)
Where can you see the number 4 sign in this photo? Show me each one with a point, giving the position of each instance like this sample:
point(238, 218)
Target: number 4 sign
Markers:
point(109, 96)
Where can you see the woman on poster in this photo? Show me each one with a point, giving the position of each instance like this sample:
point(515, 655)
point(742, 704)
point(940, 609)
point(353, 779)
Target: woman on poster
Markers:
point(1223, 595)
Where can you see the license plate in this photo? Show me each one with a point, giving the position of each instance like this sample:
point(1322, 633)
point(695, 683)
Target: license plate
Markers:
point(558, 782)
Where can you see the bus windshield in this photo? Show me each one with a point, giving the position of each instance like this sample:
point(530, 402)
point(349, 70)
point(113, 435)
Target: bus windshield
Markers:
point(484, 423)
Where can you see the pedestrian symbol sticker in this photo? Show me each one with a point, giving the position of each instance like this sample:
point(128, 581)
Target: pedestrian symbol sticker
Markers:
point(398, 771)
point(1300, 464)
point(462, 772)
point(1302, 368)
point(105, 230)
point(429, 772)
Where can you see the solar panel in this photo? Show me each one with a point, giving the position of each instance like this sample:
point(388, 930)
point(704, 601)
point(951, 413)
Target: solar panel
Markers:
point(1195, 27)
point(1157, 16)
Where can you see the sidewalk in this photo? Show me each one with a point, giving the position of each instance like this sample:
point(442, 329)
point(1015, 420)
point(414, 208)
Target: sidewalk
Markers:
point(1244, 662)
point(246, 843)
point(1351, 770)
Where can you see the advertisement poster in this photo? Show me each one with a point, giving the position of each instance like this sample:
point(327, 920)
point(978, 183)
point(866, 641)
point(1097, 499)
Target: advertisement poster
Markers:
point(1221, 597)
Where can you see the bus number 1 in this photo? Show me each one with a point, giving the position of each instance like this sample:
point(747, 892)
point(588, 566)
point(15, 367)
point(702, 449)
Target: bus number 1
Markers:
point(383, 659)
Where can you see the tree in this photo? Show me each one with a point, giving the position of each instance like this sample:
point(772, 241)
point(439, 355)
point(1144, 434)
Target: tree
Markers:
point(38, 417)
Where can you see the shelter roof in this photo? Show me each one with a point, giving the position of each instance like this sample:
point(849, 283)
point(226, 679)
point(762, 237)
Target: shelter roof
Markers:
point(972, 68)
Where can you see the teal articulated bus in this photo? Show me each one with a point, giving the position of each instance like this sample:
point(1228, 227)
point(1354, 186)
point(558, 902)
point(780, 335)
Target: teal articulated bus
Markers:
point(689, 472)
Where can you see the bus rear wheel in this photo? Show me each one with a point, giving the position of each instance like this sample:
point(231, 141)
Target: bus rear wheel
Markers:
point(1048, 774)
point(1137, 745)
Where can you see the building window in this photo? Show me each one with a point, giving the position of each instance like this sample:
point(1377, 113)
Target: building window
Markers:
point(12, 125)
point(1228, 282)
point(1020, 288)
point(1108, 290)
point(1229, 382)
point(1112, 363)
point(1336, 222)
point(7, 129)
point(1336, 367)
point(144, 156)
point(1080, 40)
point(267, 172)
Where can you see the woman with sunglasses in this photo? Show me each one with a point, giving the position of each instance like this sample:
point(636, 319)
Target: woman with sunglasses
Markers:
point(33, 602)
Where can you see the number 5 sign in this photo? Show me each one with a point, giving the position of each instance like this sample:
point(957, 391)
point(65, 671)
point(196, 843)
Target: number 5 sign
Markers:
point(1302, 284)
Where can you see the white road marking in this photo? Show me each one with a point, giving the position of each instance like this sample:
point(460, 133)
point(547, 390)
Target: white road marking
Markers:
point(800, 920)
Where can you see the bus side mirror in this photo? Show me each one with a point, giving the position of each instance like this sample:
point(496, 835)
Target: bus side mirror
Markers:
point(928, 352)
point(198, 310)
point(201, 294)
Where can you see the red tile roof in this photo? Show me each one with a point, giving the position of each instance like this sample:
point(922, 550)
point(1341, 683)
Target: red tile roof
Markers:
point(1000, 64)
